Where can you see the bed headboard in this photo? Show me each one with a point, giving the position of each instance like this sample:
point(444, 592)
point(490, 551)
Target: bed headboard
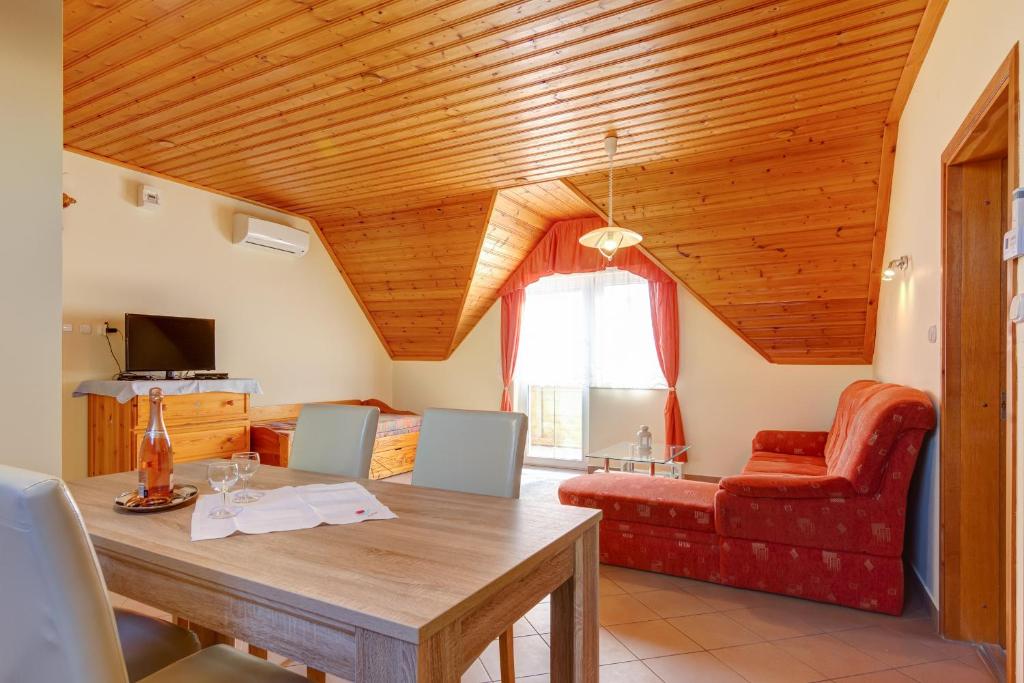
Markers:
point(290, 411)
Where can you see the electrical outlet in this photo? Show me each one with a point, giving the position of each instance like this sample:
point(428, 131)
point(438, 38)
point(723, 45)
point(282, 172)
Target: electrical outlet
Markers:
point(85, 328)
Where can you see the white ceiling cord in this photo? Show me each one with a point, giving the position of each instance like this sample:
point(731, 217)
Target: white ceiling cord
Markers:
point(610, 239)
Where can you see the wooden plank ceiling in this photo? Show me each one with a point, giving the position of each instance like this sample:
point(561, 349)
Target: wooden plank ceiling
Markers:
point(433, 141)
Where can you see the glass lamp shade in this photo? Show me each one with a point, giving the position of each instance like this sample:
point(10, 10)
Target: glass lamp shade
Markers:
point(610, 239)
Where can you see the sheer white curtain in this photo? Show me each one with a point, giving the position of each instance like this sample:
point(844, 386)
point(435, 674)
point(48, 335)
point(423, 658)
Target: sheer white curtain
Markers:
point(588, 329)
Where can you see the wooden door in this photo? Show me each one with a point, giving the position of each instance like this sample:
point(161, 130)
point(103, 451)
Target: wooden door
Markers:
point(974, 420)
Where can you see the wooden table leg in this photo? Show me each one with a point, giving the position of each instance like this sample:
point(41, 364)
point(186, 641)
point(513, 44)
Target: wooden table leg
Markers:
point(574, 624)
point(507, 656)
point(383, 659)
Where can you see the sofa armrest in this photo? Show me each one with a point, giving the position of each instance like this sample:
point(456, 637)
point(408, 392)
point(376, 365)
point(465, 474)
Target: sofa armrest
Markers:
point(783, 486)
point(791, 443)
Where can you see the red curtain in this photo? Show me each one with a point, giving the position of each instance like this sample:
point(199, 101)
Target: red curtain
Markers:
point(511, 311)
point(560, 251)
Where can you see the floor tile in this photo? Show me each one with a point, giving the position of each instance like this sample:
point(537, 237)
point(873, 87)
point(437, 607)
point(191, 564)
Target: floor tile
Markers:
point(612, 650)
point(829, 618)
point(766, 663)
point(533, 657)
point(897, 648)
point(830, 656)
point(609, 587)
point(673, 603)
point(540, 618)
point(948, 670)
point(723, 598)
point(635, 581)
point(523, 628)
point(623, 609)
point(925, 630)
point(712, 631)
point(476, 673)
point(697, 667)
point(648, 639)
point(627, 672)
point(890, 676)
point(773, 623)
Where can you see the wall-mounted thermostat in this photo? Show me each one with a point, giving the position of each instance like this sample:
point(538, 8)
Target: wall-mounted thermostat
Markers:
point(149, 197)
point(1013, 241)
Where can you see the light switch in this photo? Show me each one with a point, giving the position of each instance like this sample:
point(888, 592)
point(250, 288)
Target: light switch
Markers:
point(67, 328)
point(933, 334)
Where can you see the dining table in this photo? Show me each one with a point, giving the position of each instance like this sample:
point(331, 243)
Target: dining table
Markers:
point(415, 598)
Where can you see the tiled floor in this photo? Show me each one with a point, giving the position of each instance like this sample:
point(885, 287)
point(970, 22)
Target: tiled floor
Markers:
point(663, 629)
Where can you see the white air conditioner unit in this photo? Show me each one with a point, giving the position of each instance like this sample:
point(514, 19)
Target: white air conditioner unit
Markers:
point(257, 232)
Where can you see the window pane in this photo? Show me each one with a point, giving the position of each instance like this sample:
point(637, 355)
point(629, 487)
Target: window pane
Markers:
point(623, 354)
point(589, 329)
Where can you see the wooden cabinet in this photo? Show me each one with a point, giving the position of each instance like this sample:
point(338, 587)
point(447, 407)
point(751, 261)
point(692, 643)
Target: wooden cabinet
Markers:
point(206, 425)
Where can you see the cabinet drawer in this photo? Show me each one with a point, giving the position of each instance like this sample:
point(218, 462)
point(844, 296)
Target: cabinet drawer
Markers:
point(189, 408)
point(205, 443)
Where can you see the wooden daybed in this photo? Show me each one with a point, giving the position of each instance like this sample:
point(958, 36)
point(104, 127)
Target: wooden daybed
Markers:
point(394, 452)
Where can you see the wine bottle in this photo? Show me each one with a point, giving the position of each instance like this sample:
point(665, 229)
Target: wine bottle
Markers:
point(156, 458)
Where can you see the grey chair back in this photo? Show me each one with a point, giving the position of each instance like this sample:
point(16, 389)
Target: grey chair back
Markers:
point(334, 439)
point(474, 451)
point(57, 623)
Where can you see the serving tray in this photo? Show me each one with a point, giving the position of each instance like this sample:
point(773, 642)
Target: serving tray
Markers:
point(129, 501)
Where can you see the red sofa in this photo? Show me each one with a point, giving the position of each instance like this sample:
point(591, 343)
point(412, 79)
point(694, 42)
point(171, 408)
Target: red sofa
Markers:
point(818, 515)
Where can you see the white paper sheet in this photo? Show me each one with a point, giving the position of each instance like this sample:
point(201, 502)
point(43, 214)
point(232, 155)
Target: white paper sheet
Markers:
point(288, 508)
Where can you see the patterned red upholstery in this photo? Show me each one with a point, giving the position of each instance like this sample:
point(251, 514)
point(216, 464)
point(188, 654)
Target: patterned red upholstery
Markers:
point(824, 523)
point(852, 579)
point(648, 500)
point(796, 443)
point(785, 463)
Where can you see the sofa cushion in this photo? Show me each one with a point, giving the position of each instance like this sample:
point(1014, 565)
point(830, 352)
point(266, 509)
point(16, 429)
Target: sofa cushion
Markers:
point(660, 501)
point(869, 419)
point(784, 463)
point(795, 442)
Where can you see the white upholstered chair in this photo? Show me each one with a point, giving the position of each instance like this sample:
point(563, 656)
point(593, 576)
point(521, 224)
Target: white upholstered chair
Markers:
point(57, 622)
point(335, 439)
point(474, 451)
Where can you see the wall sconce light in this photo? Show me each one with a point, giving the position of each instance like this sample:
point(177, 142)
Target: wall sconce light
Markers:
point(896, 266)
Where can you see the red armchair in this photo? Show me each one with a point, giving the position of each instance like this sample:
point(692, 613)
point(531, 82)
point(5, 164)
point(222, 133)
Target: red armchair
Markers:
point(819, 515)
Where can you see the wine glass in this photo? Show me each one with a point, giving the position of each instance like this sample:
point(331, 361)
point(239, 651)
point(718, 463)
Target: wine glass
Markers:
point(247, 463)
point(222, 476)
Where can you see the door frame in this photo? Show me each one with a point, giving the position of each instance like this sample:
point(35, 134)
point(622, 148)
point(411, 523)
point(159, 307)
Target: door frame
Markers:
point(1004, 83)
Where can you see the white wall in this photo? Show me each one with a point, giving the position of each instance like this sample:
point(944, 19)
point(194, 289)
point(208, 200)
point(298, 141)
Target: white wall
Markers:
point(728, 392)
point(30, 163)
point(291, 323)
point(972, 40)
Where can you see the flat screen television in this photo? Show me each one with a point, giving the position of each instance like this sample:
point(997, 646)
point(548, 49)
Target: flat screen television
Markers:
point(170, 344)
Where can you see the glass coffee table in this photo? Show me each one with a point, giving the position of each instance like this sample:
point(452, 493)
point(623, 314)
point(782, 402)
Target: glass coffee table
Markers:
point(625, 457)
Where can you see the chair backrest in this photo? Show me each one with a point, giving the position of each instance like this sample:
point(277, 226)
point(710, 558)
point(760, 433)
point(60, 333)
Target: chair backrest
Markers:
point(57, 623)
point(334, 439)
point(474, 451)
point(871, 418)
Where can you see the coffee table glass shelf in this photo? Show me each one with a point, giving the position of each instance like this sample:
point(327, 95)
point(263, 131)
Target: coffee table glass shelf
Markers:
point(626, 456)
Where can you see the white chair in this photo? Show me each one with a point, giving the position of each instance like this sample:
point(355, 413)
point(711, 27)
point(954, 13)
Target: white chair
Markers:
point(474, 451)
point(335, 439)
point(57, 622)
